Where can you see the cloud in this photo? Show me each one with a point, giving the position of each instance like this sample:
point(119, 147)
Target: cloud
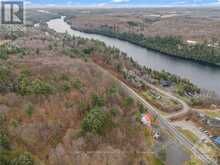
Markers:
point(218, 3)
point(27, 2)
point(102, 4)
point(120, 1)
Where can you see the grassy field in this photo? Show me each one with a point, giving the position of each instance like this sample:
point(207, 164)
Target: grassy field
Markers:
point(194, 161)
point(189, 135)
point(212, 113)
point(162, 102)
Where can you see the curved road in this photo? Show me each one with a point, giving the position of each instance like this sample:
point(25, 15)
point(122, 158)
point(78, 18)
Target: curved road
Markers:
point(179, 137)
point(61, 26)
point(185, 107)
point(165, 123)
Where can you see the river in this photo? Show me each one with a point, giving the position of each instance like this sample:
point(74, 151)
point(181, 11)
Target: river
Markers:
point(205, 76)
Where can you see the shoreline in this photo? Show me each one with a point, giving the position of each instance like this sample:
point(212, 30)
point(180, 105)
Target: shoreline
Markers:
point(150, 49)
point(175, 74)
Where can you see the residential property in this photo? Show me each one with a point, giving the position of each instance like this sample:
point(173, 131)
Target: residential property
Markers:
point(210, 122)
point(213, 122)
point(217, 140)
point(165, 83)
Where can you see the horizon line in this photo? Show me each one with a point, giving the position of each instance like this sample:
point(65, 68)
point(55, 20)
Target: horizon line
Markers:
point(122, 6)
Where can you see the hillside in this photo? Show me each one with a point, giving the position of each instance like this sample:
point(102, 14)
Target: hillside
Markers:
point(47, 103)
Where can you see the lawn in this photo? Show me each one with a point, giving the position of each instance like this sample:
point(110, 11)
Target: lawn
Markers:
point(163, 103)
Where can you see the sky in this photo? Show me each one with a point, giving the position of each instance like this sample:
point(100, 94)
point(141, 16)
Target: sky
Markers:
point(101, 3)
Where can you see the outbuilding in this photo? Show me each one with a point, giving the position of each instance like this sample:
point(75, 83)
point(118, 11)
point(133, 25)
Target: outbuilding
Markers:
point(165, 83)
point(217, 140)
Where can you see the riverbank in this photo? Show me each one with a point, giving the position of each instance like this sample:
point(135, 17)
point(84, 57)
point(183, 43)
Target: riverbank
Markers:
point(183, 68)
point(201, 50)
point(114, 62)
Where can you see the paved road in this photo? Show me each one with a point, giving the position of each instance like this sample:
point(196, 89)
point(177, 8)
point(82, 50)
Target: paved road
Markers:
point(165, 123)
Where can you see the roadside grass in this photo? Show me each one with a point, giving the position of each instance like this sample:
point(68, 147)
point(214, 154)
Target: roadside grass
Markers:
point(207, 148)
point(161, 112)
point(147, 97)
point(157, 162)
point(152, 159)
point(189, 135)
point(163, 104)
point(210, 149)
point(194, 161)
point(212, 113)
point(186, 99)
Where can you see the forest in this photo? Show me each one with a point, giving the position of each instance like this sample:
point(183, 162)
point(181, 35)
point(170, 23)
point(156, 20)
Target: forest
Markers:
point(169, 45)
point(112, 56)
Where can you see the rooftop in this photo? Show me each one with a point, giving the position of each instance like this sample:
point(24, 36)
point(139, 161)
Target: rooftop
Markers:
point(217, 140)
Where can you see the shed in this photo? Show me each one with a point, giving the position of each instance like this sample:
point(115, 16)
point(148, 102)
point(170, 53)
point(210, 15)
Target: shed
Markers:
point(217, 140)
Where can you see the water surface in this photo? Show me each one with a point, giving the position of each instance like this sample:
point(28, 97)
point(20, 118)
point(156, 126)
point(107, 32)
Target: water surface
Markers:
point(205, 76)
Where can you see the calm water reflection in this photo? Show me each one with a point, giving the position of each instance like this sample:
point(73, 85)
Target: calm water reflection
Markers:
point(205, 76)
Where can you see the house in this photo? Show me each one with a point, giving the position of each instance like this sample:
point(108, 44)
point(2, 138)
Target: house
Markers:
point(189, 94)
point(146, 119)
point(201, 115)
point(210, 122)
point(165, 83)
point(156, 135)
